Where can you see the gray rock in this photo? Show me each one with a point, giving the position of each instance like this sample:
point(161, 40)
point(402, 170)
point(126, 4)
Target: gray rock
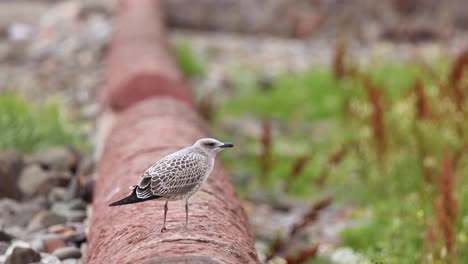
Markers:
point(31, 179)
point(56, 158)
point(58, 194)
point(22, 255)
point(34, 180)
point(3, 247)
point(77, 204)
point(38, 245)
point(74, 210)
point(44, 219)
point(13, 213)
point(75, 215)
point(73, 190)
point(11, 164)
point(60, 208)
point(17, 231)
point(84, 249)
point(67, 253)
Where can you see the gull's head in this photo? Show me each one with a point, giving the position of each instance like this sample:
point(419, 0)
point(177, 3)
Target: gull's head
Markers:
point(211, 145)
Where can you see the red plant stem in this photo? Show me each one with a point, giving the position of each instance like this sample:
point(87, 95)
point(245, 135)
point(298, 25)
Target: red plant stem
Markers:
point(266, 155)
point(446, 206)
point(377, 119)
point(334, 159)
point(296, 170)
point(422, 103)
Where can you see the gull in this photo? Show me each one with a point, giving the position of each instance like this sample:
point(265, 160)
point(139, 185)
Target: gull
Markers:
point(176, 176)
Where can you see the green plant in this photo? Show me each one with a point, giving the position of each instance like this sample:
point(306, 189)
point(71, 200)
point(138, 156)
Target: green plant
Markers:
point(26, 126)
point(187, 60)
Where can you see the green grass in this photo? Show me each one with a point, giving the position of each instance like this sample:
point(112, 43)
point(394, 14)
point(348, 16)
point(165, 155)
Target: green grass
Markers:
point(188, 61)
point(26, 126)
point(312, 95)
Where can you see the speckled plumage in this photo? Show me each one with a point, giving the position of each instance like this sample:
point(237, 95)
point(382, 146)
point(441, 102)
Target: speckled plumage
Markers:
point(176, 176)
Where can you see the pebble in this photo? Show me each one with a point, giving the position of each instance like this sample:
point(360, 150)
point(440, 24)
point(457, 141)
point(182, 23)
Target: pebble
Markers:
point(60, 208)
point(38, 245)
point(74, 210)
point(55, 158)
point(13, 213)
point(84, 249)
point(44, 219)
point(21, 255)
point(74, 187)
point(75, 215)
point(57, 195)
point(53, 244)
point(77, 204)
point(34, 180)
point(17, 231)
point(67, 253)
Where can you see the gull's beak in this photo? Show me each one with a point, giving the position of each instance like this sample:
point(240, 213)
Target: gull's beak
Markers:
point(227, 145)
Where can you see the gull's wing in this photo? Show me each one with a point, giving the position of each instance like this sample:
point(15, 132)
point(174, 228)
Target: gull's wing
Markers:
point(174, 175)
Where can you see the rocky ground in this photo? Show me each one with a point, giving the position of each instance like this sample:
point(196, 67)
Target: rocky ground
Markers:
point(56, 49)
point(44, 204)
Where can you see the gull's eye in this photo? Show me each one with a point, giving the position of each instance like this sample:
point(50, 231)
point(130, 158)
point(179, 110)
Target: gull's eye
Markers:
point(211, 144)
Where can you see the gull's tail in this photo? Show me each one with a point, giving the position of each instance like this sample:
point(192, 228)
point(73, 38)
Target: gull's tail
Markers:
point(132, 198)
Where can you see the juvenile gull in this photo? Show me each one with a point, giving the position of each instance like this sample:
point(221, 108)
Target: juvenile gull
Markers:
point(176, 176)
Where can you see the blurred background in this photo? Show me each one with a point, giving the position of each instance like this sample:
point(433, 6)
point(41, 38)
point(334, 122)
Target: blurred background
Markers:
point(350, 117)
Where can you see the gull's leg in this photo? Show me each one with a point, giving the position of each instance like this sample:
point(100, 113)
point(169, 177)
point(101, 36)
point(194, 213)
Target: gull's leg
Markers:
point(186, 213)
point(164, 222)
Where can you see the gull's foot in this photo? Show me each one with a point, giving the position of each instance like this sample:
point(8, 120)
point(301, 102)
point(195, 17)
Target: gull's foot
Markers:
point(164, 229)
